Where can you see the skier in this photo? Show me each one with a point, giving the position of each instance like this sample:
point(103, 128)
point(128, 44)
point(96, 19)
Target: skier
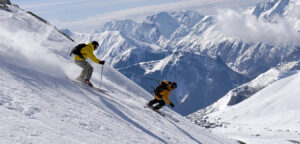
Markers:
point(87, 70)
point(162, 92)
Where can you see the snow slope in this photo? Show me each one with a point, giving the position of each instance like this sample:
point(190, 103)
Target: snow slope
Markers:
point(269, 116)
point(278, 106)
point(242, 92)
point(39, 105)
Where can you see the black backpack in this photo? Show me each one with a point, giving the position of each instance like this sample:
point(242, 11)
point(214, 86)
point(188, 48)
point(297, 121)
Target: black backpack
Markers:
point(76, 50)
point(162, 86)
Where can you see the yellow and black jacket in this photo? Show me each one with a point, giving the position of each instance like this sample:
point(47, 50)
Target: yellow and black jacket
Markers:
point(87, 52)
point(165, 93)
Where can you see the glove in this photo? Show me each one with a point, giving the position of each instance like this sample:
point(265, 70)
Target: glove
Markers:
point(171, 104)
point(102, 62)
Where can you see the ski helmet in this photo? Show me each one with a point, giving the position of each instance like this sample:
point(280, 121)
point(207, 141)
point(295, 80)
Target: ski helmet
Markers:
point(95, 44)
point(173, 85)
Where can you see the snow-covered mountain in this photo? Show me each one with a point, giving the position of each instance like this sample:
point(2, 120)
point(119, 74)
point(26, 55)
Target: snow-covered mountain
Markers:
point(136, 53)
point(269, 116)
point(39, 105)
point(240, 94)
point(249, 42)
point(245, 91)
point(5, 2)
point(263, 110)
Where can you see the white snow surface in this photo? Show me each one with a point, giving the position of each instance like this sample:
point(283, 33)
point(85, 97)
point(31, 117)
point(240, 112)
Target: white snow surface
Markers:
point(269, 116)
point(278, 106)
point(39, 105)
point(246, 90)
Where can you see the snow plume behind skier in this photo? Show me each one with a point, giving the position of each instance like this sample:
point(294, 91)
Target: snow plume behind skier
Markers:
point(161, 94)
point(82, 52)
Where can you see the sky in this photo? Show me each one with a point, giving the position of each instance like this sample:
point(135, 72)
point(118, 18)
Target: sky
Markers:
point(87, 15)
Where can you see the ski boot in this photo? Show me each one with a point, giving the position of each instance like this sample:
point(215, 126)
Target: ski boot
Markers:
point(88, 83)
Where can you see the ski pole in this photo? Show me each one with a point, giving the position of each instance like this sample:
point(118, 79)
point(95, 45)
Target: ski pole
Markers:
point(152, 79)
point(101, 76)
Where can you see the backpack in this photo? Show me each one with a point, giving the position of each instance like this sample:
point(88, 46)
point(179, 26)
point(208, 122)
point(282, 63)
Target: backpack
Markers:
point(162, 86)
point(76, 50)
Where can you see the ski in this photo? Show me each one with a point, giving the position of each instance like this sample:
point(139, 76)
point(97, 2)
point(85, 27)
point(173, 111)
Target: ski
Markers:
point(85, 85)
point(165, 115)
point(157, 111)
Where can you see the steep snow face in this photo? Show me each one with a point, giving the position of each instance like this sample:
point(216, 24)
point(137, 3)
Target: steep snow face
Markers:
point(270, 8)
point(34, 35)
point(39, 105)
point(287, 8)
point(269, 116)
point(5, 1)
point(275, 102)
point(292, 14)
point(241, 93)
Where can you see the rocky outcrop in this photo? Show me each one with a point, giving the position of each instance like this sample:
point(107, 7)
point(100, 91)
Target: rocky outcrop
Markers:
point(5, 1)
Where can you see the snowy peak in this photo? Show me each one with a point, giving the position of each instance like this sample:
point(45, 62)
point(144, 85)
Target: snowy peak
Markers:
point(67, 32)
point(118, 25)
point(150, 31)
point(166, 24)
point(122, 51)
point(5, 2)
point(270, 8)
point(144, 32)
point(188, 18)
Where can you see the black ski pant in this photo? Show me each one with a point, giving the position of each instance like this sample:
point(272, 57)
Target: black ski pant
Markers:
point(161, 103)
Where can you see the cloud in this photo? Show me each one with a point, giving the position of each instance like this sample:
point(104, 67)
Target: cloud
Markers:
point(41, 5)
point(252, 29)
point(207, 7)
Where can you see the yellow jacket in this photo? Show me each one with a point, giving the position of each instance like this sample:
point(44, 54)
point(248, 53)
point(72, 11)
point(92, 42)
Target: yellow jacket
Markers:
point(87, 52)
point(165, 93)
